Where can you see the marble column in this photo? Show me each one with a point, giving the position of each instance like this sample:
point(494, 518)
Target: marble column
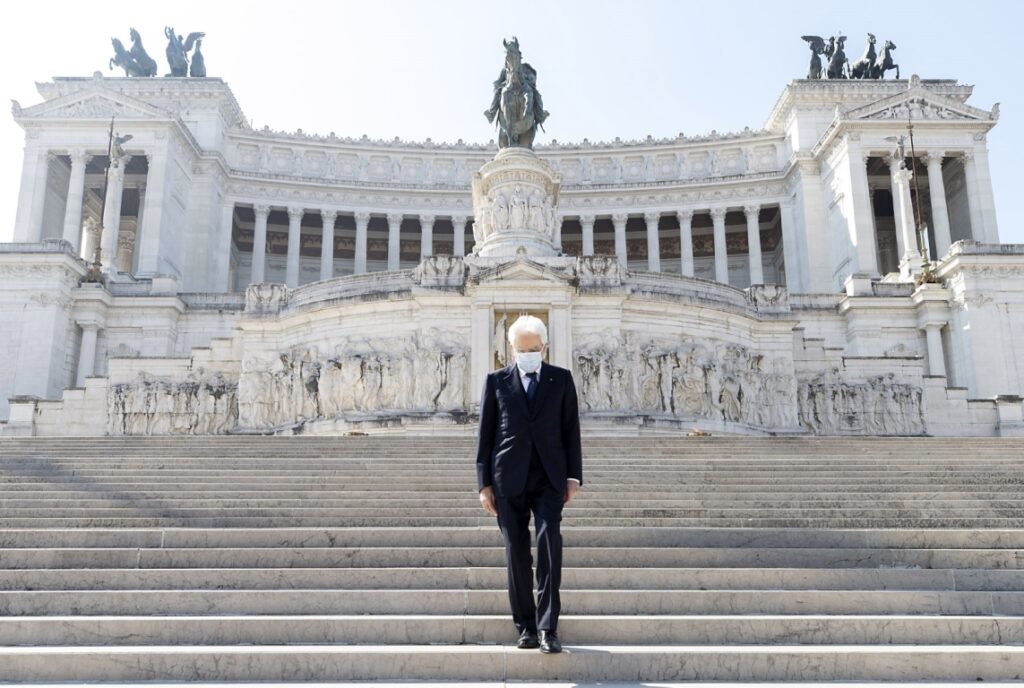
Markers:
point(983, 191)
point(459, 235)
point(362, 220)
point(139, 217)
point(796, 277)
point(112, 216)
point(721, 253)
point(685, 241)
point(426, 236)
point(294, 244)
point(936, 358)
point(259, 244)
point(619, 221)
point(753, 213)
point(150, 241)
point(35, 168)
point(859, 207)
point(125, 244)
point(92, 233)
point(76, 193)
point(394, 236)
point(328, 217)
point(978, 232)
point(653, 245)
point(87, 352)
point(910, 261)
point(587, 223)
point(222, 278)
point(896, 204)
point(937, 192)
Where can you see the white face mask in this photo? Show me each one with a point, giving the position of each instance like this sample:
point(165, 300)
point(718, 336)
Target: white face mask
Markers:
point(529, 361)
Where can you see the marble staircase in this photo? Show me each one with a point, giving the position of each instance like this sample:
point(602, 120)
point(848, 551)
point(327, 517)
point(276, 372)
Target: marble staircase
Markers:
point(357, 558)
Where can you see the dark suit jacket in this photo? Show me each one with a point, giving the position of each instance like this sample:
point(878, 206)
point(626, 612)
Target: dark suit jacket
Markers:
point(508, 429)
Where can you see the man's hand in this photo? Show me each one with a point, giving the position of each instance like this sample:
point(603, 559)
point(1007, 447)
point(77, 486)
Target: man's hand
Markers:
point(487, 500)
point(571, 488)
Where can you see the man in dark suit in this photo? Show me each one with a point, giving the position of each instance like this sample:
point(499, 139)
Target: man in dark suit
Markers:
point(529, 459)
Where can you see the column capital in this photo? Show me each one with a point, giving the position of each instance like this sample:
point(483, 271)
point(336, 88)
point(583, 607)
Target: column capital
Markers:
point(967, 156)
point(684, 214)
point(458, 220)
point(752, 211)
point(261, 209)
point(362, 216)
point(933, 158)
point(328, 216)
point(395, 218)
point(652, 216)
point(295, 213)
point(718, 213)
point(620, 218)
point(79, 156)
point(426, 219)
point(587, 219)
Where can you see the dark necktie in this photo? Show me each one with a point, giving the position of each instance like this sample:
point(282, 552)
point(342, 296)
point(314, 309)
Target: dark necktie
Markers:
point(531, 391)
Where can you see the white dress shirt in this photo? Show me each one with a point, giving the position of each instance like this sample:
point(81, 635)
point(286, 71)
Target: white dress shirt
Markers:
point(526, 387)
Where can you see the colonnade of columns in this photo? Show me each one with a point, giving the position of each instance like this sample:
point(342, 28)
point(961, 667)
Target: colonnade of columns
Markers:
point(83, 236)
point(982, 228)
point(328, 218)
point(685, 217)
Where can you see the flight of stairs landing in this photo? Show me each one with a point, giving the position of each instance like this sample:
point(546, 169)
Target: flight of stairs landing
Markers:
point(354, 558)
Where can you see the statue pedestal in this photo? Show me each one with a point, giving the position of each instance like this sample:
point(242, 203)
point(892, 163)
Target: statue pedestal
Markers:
point(515, 197)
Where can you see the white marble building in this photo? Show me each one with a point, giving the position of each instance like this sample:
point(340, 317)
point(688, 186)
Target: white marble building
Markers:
point(266, 281)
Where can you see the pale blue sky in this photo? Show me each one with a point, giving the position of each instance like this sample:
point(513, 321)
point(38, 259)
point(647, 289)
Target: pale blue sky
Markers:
point(606, 69)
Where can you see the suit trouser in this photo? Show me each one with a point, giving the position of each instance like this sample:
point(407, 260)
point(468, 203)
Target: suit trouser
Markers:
point(546, 503)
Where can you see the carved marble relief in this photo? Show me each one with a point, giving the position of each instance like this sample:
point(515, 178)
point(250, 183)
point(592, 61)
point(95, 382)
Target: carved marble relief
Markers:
point(877, 406)
point(684, 377)
point(424, 372)
point(200, 405)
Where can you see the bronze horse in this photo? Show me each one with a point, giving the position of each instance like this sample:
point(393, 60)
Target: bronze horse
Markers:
point(884, 62)
point(861, 69)
point(517, 104)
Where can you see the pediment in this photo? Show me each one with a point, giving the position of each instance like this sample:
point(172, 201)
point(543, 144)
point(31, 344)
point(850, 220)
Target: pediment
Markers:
point(522, 268)
point(92, 103)
point(921, 105)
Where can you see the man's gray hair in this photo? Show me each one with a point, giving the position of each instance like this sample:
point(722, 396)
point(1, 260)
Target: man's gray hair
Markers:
point(528, 323)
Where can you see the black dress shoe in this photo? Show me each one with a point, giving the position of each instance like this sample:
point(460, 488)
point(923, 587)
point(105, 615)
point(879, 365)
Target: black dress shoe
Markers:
point(549, 642)
point(527, 640)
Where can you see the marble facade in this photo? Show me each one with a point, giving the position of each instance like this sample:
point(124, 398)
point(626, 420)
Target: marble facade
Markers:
point(755, 282)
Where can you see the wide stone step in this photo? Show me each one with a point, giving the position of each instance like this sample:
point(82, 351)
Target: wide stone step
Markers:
point(575, 536)
point(503, 663)
point(903, 521)
point(383, 628)
point(495, 601)
point(278, 557)
point(585, 505)
point(494, 578)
